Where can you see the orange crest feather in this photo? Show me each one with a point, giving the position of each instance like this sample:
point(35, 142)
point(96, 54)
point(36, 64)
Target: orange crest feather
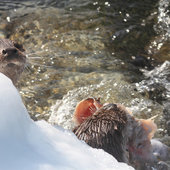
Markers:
point(84, 109)
point(149, 126)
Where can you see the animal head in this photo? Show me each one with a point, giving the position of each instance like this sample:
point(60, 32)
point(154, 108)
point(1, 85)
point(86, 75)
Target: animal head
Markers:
point(12, 59)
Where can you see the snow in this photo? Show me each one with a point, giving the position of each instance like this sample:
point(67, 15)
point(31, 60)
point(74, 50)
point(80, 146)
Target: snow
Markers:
point(29, 145)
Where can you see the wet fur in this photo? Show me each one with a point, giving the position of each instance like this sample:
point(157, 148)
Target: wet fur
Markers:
point(12, 59)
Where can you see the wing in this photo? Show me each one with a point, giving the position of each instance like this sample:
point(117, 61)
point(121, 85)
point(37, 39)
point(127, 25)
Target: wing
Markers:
point(103, 132)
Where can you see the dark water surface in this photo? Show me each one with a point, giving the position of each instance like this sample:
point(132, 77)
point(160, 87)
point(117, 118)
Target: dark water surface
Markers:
point(117, 50)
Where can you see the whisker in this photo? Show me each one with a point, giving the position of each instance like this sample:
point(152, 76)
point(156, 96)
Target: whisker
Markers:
point(34, 58)
point(42, 65)
point(38, 52)
point(27, 68)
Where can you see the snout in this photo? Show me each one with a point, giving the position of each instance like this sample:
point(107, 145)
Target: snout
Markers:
point(12, 59)
point(12, 53)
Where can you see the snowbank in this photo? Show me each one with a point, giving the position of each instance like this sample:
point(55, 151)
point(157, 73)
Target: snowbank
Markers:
point(29, 145)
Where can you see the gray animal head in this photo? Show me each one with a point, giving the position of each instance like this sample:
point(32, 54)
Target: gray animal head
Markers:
point(12, 59)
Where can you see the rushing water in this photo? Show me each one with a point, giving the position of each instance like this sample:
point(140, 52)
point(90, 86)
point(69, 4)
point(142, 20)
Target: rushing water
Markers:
point(116, 50)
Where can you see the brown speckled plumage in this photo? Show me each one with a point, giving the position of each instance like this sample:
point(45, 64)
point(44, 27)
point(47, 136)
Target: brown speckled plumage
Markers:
point(106, 129)
point(115, 130)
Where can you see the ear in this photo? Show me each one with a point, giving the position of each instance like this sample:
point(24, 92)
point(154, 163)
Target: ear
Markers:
point(85, 109)
point(149, 126)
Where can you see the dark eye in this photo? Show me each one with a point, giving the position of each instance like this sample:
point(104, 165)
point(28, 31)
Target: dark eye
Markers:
point(18, 46)
point(4, 52)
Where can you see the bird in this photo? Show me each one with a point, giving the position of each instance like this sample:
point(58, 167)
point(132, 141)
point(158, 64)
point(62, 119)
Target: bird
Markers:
point(113, 128)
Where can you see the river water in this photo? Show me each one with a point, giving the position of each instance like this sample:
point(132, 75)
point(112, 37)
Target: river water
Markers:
point(116, 50)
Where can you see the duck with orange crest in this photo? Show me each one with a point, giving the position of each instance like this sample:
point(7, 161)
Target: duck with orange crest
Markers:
point(113, 128)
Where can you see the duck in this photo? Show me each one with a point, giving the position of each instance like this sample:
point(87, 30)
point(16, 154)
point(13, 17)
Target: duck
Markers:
point(113, 128)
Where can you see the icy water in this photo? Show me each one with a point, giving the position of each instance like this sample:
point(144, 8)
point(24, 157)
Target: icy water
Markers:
point(116, 50)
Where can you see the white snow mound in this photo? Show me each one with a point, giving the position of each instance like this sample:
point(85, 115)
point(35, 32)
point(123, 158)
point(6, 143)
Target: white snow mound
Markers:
point(29, 145)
